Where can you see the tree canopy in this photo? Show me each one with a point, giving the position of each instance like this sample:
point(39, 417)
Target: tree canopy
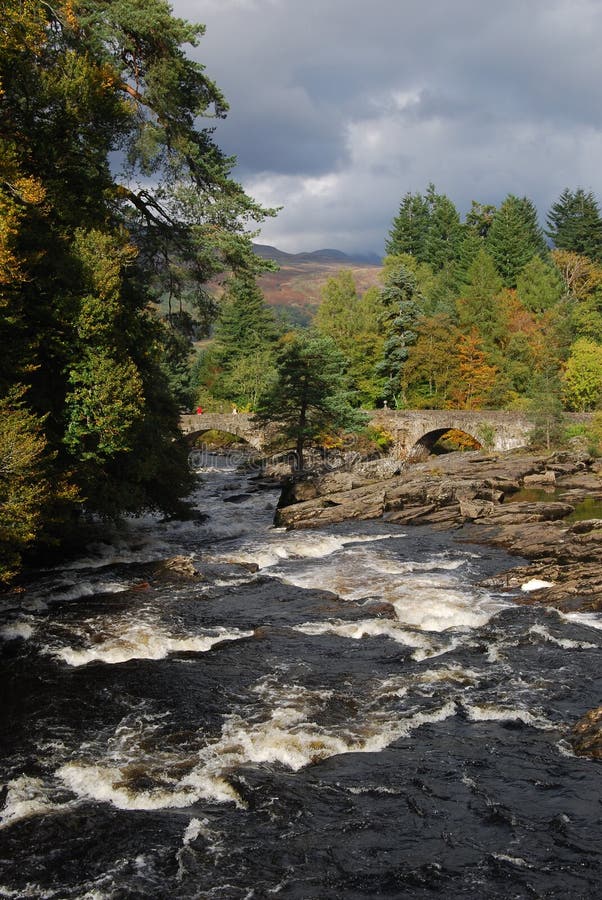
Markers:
point(88, 86)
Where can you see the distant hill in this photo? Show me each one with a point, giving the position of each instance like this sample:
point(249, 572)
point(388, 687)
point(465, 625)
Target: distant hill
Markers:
point(297, 286)
point(281, 256)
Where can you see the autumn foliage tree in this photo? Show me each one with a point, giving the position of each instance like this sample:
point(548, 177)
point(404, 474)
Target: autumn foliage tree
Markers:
point(83, 253)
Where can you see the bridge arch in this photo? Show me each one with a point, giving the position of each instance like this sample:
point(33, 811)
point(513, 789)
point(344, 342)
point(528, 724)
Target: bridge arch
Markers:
point(193, 436)
point(426, 444)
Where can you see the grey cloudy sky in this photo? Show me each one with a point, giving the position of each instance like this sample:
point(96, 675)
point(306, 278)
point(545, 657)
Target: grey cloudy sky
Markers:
point(338, 107)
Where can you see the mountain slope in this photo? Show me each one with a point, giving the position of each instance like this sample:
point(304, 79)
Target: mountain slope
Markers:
point(297, 286)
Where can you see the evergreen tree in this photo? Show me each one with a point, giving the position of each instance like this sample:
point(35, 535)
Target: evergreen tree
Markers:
point(479, 307)
point(444, 234)
point(402, 310)
point(575, 224)
point(81, 250)
point(310, 392)
point(480, 218)
point(409, 228)
point(539, 285)
point(244, 340)
point(514, 237)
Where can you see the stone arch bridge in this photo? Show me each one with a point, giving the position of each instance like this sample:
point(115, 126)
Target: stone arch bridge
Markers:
point(414, 431)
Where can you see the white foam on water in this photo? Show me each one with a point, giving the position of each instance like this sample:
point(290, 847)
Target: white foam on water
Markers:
point(111, 785)
point(535, 584)
point(193, 830)
point(283, 733)
point(513, 860)
point(423, 596)
point(494, 713)
point(363, 628)
point(144, 640)
point(16, 630)
point(76, 590)
point(592, 620)
point(25, 797)
point(301, 545)
point(565, 643)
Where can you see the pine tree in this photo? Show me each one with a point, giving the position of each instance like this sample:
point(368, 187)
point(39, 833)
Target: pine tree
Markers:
point(444, 234)
point(514, 237)
point(539, 285)
point(402, 304)
point(310, 393)
point(82, 252)
point(479, 306)
point(240, 359)
point(409, 228)
point(575, 224)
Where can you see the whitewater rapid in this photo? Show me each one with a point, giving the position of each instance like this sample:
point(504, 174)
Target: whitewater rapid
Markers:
point(344, 712)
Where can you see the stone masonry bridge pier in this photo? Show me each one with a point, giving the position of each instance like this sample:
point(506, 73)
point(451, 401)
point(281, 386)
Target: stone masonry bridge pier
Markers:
point(414, 431)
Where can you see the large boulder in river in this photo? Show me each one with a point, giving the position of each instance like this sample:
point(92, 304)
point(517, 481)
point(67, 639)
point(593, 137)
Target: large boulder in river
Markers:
point(177, 567)
point(586, 736)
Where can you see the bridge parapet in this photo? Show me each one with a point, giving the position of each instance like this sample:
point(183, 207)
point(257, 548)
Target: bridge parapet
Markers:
point(414, 431)
point(241, 425)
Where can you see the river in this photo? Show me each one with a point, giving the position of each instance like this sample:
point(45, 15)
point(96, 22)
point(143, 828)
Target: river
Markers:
point(274, 733)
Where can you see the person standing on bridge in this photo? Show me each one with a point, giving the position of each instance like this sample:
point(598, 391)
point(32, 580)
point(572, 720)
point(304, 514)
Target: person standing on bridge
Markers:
point(199, 410)
point(234, 411)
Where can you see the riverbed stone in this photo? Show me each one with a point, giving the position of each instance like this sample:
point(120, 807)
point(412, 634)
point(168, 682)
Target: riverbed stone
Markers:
point(469, 493)
point(546, 477)
point(177, 567)
point(586, 736)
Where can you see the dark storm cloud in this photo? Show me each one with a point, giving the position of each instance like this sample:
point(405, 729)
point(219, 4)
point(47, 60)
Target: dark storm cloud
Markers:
point(338, 107)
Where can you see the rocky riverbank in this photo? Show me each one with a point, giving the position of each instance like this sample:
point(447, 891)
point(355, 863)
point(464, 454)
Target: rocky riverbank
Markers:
point(482, 498)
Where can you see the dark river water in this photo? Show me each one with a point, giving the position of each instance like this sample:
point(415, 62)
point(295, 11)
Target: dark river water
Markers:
point(274, 734)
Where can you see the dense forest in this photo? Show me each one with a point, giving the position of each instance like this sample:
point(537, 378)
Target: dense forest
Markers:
point(92, 371)
point(118, 215)
point(490, 312)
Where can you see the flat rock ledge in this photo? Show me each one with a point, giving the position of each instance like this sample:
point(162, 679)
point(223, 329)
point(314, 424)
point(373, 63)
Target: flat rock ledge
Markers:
point(472, 493)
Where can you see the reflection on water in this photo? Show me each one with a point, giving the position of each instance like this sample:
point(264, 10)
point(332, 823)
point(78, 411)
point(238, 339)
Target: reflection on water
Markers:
point(589, 508)
point(341, 713)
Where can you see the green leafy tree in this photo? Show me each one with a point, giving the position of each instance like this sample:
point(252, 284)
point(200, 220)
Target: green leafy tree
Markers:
point(431, 370)
point(545, 411)
point(355, 324)
point(539, 285)
point(575, 224)
point(309, 395)
point(476, 377)
point(25, 491)
point(84, 252)
point(515, 237)
point(479, 307)
point(582, 379)
point(336, 314)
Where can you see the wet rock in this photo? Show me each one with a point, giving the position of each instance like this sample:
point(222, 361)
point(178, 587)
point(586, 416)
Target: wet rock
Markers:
point(547, 477)
point(177, 567)
point(465, 491)
point(586, 736)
